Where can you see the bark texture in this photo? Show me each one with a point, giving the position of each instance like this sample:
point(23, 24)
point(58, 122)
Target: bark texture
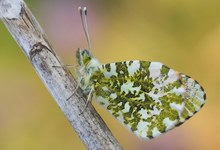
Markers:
point(60, 83)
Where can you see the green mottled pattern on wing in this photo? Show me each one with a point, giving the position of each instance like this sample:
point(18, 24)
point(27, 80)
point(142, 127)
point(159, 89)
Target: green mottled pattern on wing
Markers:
point(147, 97)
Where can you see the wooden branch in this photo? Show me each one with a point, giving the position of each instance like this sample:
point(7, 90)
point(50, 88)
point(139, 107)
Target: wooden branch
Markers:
point(30, 37)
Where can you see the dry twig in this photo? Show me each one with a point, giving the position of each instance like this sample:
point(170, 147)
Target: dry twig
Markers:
point(30, 37)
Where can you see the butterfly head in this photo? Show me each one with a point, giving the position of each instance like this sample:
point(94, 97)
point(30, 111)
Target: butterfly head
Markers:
point(87, 66)
point(83, 56)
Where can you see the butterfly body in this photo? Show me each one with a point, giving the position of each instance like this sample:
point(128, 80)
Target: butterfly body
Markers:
point(149, 98)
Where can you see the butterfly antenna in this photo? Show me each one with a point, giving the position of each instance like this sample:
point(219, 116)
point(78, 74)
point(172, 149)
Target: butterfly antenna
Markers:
point(83, 16)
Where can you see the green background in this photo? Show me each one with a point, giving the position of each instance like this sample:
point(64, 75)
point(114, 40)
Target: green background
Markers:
point(184, 34)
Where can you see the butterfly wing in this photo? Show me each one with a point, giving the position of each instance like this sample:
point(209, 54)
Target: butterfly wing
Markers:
point(147, 97)
point(194, 97)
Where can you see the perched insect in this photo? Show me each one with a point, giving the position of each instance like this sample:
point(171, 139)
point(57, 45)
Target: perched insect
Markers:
point(149, 98)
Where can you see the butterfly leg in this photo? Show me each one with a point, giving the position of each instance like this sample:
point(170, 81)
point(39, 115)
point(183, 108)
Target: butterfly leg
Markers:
point(68, 66)
point(89, 99)
point(75, 69)
point(77, 87)
point(76, 73)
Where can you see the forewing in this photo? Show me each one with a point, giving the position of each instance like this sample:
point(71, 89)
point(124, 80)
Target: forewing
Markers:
point(194, 97)
point(147, 97)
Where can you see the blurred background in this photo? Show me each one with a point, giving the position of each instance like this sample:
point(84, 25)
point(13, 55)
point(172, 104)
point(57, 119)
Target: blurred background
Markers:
point(184, 34)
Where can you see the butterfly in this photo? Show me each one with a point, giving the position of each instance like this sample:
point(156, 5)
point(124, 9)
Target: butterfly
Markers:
point(149, 98)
